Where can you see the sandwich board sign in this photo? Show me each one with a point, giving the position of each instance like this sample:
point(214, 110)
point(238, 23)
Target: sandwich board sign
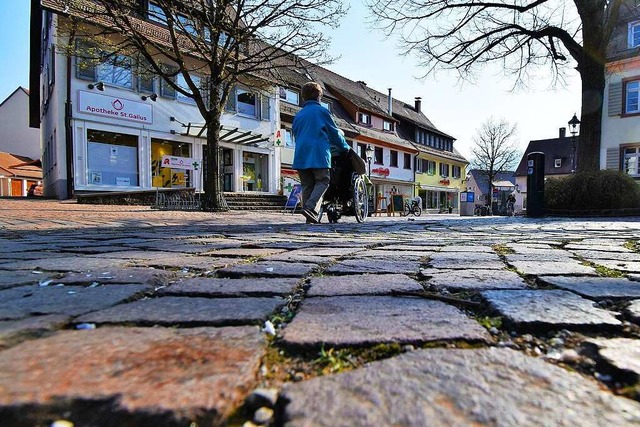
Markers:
point(294, 198)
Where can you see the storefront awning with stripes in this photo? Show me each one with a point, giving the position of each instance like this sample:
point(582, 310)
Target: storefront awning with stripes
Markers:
point(227, 134)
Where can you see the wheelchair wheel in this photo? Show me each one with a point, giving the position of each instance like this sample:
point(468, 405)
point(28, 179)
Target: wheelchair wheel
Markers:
point(360, 199)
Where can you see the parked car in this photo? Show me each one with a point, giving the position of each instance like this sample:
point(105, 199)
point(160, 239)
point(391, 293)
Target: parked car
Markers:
point(35, 190)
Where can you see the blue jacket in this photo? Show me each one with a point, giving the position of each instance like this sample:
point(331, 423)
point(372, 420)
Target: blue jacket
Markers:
point(316, 136)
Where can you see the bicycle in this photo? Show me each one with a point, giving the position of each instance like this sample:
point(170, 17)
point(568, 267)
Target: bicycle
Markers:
point(413, 208)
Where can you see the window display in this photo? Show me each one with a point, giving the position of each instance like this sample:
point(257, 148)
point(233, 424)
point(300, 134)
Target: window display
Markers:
point(112, 158)
point(167, 177)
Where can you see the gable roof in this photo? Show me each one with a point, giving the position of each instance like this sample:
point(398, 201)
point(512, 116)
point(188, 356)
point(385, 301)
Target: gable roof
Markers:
point(555, 148)
point(18, 89)
point(12, 165)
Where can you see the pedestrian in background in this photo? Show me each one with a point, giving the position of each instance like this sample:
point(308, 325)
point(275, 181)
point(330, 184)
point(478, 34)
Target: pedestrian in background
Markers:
point(317, 138)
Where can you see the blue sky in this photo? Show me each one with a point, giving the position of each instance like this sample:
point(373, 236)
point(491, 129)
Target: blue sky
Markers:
point(455, 108)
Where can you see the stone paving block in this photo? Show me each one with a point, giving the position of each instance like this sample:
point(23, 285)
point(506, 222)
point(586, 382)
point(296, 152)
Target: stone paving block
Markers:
point(621, 353)
point(268, 269)
point(596, 287)
point(73, 263)
point(195, 374)
point(389, 254)
point(148, 276)
point(541, 256)
point(374, 266)
point(14, 331)
point(549, 309)
point(454, 387)
point(133, 254)
point(469, 263)
point(16, 303)
point(212, 287)
point(173, 245)
point(18, 256)
point(94, 249)
point(195, 262)
point(427, 247)
point(476, 249)
point(596, 256)
point(552, 268)
point(13, 278)
point(634, 310)
point(188, 311)
point(598, 245)
point(363, 284)
point(366, 320)
point(626, 266)
point(244, 252)
point(463, 280)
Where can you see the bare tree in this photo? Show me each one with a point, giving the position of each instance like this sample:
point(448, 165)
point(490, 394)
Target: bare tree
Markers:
point(495, 149)
point(222, 41)
point(521, 35)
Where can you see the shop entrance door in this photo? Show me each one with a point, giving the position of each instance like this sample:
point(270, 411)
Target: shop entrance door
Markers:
point(227, 170)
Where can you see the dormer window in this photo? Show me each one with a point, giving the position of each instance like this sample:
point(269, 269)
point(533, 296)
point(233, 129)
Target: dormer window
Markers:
point(388, 126)
point(325, 105)
point(290, 96)
point(634, 34)
point(364, 118)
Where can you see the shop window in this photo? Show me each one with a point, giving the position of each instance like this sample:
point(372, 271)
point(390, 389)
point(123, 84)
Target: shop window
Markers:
point(631, 160)
point(165, 177)
point(254, 172)
point(112, 159)
point(407, 161)
point(393, 159)
point(289, 96)
point(377, 155)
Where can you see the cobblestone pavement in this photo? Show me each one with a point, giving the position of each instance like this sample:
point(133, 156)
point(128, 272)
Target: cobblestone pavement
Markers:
point(127, 316)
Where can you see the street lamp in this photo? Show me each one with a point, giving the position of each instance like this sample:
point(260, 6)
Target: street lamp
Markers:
point(369, 154)
point(573, 126)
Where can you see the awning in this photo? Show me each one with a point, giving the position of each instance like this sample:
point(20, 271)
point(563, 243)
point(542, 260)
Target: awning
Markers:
point(443, 189)
point(503, 185)
point(227, 134)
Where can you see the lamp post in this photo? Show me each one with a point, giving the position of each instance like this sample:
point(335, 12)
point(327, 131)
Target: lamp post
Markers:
point(573, 126)
point(369, 154)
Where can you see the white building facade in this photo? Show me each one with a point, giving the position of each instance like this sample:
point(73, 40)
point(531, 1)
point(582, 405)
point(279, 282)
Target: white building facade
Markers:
point(620, 144)
point(105, 128)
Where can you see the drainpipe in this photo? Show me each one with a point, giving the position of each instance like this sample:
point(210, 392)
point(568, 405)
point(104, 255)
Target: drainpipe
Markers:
point(390, 108)
point(68, 115)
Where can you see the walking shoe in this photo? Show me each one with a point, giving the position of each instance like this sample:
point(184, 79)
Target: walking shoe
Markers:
point(311, 216)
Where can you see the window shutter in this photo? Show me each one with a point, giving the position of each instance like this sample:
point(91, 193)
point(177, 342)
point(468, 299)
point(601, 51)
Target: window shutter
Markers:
point(613, 159)
point(231, 101)
point(265, 108)
point(615, 99)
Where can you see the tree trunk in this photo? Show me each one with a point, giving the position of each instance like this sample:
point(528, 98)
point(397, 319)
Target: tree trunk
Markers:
point(588, 150)
point(591, 67)
point(214, 200)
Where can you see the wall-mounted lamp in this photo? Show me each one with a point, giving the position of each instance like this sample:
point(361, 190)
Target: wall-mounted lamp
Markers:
point(152, 97)
point(96, 85)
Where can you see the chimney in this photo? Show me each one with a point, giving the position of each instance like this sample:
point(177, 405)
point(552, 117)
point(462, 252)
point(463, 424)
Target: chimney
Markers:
point(390, 103)
point(563, 133)
point(418, 104)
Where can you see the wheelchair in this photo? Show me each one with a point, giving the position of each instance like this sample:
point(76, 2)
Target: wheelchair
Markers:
point(349, 189)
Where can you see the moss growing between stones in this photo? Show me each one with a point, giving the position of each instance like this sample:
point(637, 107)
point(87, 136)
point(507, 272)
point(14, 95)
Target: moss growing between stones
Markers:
point(632, 245)
point(490, 322)
point(602, 270)
point(334, 361)
point(501, 249)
